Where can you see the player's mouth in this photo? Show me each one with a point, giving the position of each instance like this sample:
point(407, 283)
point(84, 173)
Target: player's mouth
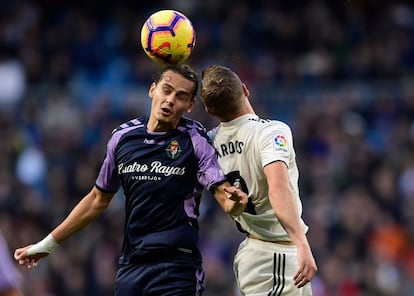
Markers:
point(166, 111)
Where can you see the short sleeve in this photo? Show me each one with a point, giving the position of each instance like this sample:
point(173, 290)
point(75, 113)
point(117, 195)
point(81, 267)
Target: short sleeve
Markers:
point(108, 179)
point(210, 172)
point(275, 143)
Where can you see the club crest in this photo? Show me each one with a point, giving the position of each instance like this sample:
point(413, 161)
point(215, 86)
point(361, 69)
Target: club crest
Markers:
point(173, 150)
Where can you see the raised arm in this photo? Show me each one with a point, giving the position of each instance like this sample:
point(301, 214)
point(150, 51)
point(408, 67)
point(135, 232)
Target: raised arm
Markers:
point(87, 210)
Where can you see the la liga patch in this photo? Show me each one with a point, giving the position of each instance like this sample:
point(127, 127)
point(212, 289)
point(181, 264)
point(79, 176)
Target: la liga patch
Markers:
point(280, 141)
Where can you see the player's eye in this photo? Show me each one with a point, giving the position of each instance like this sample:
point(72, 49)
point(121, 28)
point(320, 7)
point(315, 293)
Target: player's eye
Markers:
point(166, 90)
point(183, 96)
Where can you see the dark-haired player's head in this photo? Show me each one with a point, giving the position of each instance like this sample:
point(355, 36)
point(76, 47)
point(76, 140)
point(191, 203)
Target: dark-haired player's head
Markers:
point(173, 93)
point(184, 70)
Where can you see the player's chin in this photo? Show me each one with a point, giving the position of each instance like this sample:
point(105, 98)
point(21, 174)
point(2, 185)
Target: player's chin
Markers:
point(168, 121)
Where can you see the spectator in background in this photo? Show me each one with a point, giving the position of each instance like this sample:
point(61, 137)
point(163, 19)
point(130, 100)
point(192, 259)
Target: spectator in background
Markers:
point(12, 79)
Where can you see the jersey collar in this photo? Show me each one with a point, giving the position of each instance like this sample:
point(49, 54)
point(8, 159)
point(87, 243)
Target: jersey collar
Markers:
point(240, 119)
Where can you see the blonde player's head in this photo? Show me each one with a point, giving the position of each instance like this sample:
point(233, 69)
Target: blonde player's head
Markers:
point(223, 93)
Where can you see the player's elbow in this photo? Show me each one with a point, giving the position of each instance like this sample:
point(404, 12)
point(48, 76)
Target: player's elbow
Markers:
point(101, 200)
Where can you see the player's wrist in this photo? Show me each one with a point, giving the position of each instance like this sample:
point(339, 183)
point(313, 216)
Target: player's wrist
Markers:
point(46, 245)
point(237, 210)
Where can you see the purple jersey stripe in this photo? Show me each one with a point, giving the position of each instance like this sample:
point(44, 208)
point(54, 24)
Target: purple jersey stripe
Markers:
point(9, 277)
point(108, 179)
point(209, 172)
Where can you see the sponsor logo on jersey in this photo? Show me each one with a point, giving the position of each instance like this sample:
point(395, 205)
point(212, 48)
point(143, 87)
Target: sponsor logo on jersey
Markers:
point(280, 142)
point(173, 150)
point(153, 142)
point(155, 167)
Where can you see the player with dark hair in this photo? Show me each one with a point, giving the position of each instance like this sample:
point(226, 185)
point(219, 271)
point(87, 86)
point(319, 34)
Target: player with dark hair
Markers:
point(162, 164)
point(258, 156)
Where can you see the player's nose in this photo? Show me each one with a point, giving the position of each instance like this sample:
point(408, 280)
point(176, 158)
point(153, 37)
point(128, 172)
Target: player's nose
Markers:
point(170, 100)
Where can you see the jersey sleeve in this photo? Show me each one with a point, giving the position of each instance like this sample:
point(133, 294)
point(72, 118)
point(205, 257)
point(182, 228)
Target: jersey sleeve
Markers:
point(210, 173)
point(9, 275)
point(275, 142)
point(108, 180)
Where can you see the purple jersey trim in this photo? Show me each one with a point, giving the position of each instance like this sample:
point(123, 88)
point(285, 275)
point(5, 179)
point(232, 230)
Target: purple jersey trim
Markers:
point(189, 206)
point(9, 277)
point(108, 179)
point(210, 171)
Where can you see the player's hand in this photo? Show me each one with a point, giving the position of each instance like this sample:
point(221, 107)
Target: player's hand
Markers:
point(307, 267)
point(30, 261)
point(238, 200)
point(236, 194)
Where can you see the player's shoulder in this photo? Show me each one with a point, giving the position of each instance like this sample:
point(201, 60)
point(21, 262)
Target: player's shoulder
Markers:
point(213, 132)
point(263, 124)
point(130, 124)
point(191, 126)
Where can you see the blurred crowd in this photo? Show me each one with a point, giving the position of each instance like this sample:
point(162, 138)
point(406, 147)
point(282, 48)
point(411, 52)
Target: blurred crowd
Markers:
point(341, 73)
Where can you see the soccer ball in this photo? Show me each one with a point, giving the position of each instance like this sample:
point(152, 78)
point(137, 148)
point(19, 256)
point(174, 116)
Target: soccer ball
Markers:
point(168, 36)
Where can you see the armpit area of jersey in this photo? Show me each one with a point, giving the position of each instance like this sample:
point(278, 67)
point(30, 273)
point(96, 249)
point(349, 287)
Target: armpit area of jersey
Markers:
point(105, 191)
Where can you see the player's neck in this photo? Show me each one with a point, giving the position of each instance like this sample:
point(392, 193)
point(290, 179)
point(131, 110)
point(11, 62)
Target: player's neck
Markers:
point(247, 109)
point(160, 126)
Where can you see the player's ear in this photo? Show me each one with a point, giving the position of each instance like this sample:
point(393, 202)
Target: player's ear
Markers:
point(245, 90)
point(151, 90)
point(191, 105)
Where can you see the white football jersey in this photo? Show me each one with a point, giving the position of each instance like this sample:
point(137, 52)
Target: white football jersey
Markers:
point(245, 146)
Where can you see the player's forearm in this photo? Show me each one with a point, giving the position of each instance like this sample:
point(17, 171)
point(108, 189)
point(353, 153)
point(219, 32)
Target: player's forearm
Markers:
point(87, 210)
point(83, 213)
point(295, 231)
point(286, 211)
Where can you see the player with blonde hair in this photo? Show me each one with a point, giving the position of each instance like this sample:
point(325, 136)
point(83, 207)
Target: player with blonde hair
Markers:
point(258, 156)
